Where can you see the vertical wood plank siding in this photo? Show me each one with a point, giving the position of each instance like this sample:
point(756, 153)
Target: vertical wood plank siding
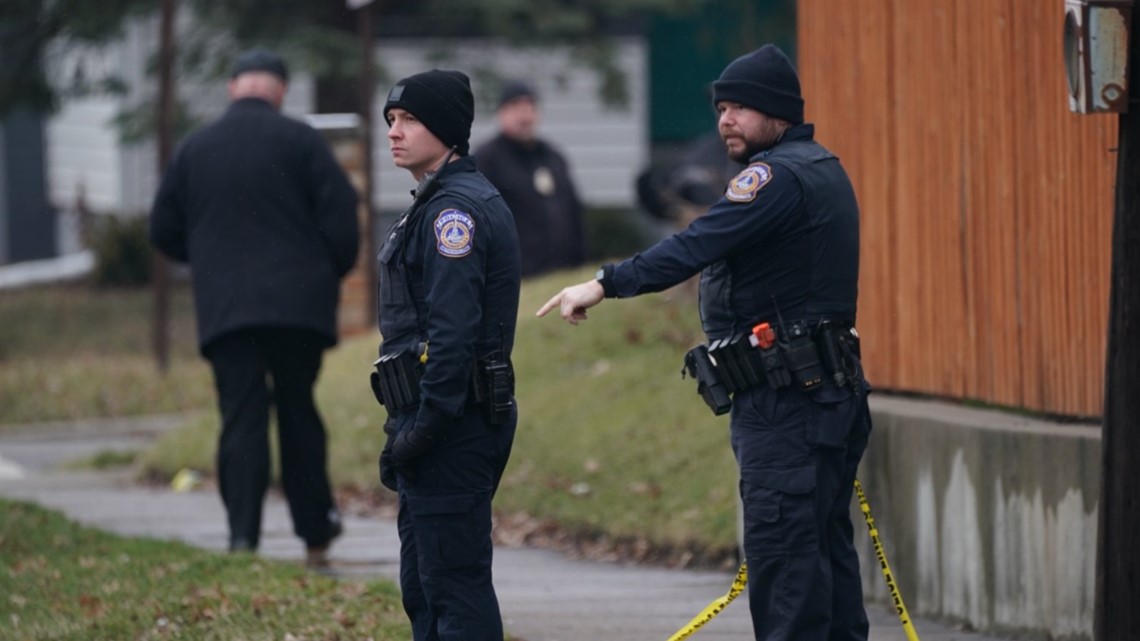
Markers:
point(987, 205)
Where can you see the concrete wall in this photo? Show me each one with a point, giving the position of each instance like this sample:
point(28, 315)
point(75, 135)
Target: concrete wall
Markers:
point(987, 519)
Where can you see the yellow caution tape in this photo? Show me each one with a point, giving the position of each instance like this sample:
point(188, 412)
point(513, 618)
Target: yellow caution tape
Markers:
point(714, 608)
point(741, 580)
point(893, 587)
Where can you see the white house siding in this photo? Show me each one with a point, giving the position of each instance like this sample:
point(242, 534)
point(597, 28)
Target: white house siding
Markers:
point(83, 155)
point(606, 147)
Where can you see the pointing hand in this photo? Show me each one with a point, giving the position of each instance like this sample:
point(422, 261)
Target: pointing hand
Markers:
point(574, 301)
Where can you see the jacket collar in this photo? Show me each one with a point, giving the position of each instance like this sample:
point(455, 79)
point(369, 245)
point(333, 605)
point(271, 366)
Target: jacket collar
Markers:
point(251, 104)
point(796, 133)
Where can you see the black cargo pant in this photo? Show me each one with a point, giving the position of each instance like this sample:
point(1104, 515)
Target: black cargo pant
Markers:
point(798, 455)
point(445, 531)
point(255, 369)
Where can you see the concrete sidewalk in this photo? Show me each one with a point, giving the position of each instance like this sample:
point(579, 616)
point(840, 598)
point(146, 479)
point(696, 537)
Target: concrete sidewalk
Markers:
point(544, 595)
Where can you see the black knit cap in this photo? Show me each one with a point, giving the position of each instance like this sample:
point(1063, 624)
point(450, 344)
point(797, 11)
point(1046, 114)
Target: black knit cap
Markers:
point(260, 60)
point(764, 80)
point(442, 100)
point(514, 89)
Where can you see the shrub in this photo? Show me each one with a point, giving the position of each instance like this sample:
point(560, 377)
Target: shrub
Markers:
point(122, 253)
point(617, 233)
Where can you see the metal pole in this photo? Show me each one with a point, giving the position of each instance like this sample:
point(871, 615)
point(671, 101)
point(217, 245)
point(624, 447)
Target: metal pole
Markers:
point(165, 134)
point(367, 89)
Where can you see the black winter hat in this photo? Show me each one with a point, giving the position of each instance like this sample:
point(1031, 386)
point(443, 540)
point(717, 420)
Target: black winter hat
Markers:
point(442, 100)
point(260, 60)
point(764, 80)
point(515, 89)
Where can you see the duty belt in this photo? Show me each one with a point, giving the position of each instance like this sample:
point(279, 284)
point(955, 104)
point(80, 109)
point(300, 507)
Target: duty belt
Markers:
point(396, 383)
point(799, 355)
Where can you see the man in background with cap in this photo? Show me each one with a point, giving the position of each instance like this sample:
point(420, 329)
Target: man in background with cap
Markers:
point(449, 297)
point(779, 262)
point(266, 219)
point(534, 179)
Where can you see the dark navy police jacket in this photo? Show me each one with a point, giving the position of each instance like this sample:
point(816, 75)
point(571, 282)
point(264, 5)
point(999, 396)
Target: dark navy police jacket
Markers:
point(449, 277)
point(785, 235)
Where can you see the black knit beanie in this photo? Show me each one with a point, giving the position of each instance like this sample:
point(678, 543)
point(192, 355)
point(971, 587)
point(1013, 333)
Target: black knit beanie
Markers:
point(514, 90)
point(259, 59)
point(442, 100)
point(764, 80)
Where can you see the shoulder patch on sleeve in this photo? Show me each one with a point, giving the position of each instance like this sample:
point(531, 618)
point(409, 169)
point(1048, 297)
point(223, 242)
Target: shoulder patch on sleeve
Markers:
point(454, 231)
point(747, 183)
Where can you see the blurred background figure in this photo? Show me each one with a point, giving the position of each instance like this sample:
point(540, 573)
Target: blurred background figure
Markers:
point(534, 179)
point(257, 205)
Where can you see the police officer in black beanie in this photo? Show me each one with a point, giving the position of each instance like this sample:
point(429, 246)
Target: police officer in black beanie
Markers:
point(448, 303)
point(779, 263)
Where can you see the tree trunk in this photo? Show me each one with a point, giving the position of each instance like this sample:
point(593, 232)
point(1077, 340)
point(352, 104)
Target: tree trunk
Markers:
point(160, 276)
point(366, 93)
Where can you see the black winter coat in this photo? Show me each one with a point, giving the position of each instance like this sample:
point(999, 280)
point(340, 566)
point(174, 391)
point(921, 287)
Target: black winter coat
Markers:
point(535, 182)
point(266, 218)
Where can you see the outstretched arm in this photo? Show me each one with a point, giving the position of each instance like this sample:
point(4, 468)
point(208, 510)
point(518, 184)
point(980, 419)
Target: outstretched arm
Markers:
point(573, 301)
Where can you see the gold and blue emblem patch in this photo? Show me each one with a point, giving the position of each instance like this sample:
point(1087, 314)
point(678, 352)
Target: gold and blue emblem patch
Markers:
point(743, 188)
point(454, 230)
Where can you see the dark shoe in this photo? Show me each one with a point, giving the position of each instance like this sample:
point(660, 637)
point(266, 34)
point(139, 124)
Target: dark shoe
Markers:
point(317, 556)
point(241, 545)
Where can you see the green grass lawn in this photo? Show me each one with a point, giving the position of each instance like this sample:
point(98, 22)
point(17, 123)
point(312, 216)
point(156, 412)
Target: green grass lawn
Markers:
point(73, 352)
point(611, 442)
point(64, 582)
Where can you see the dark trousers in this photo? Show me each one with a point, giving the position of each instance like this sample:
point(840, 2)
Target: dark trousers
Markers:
point(798, 456)
point(445, 532)
point(255, 369)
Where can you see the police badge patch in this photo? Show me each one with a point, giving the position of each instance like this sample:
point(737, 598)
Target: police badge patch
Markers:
point(743, 188)
point(454, 230)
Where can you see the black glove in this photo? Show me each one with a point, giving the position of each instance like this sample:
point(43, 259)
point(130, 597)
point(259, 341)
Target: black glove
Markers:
point(387, 465)
point(409, 445)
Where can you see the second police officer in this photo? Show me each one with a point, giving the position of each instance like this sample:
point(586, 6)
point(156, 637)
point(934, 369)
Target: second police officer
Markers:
point(779, 257)
point(448, 304)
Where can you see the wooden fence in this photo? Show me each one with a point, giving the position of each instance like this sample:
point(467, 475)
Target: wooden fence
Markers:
point(987, 205)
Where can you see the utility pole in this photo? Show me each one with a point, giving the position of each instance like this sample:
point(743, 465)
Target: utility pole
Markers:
point(367, 88)
point(160, 270)
point(1117, 616)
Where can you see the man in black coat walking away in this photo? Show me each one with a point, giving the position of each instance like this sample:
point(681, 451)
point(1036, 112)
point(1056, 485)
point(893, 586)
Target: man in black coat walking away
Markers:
point(266, 219)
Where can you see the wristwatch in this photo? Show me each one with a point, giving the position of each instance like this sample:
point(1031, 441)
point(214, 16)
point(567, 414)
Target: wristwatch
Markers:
point(605, 276)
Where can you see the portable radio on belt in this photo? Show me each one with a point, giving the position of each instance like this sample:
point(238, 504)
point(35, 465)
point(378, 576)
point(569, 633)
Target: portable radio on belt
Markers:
point(494, 388)
point(801, 356)
point(764, 338)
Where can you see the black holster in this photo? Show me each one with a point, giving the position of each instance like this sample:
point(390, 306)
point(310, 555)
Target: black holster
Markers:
point(712, 389)
point(493, 388)
point(396, 381)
